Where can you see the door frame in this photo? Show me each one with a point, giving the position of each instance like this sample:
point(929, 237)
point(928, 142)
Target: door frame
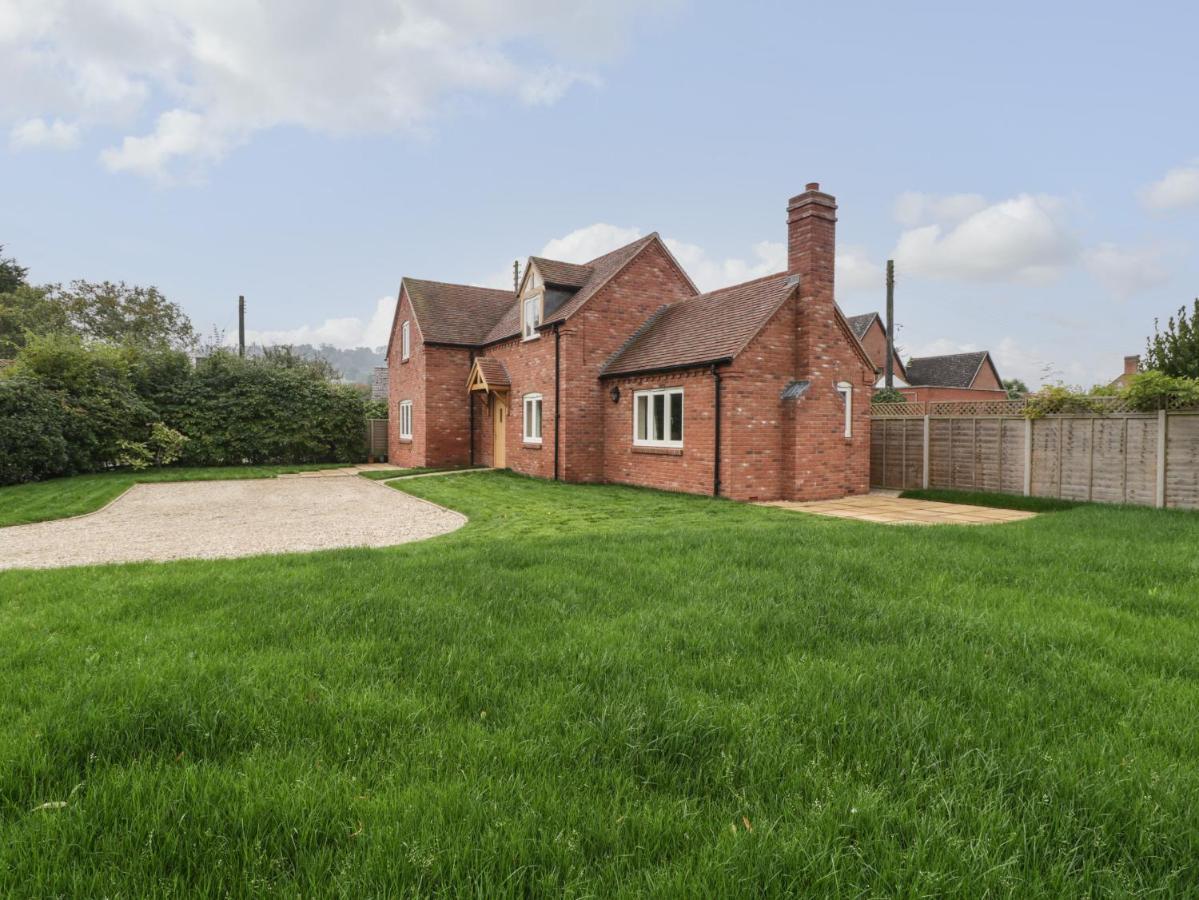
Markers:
point(499, 431)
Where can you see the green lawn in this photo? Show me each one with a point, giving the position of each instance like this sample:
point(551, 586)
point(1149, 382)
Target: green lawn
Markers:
point(383, 474)
point(1001, 501)
point(604, 691)
point(62, 497)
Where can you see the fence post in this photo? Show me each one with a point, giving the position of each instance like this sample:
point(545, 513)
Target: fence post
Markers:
point(1028, 457)
point(924, 477)
point(1162, 426)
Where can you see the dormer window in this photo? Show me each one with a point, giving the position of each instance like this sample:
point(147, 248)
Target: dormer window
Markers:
point(530, 316)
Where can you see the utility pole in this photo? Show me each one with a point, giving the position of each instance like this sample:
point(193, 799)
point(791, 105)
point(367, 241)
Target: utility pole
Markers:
point(890, 369)
point(241, 325)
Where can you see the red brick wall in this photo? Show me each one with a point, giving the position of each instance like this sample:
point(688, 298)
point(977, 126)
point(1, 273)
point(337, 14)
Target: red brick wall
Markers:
point(687, 469)
point(822, 462)
point(590, 338)
point(406, 381)
point(875, 344)
point(939, 394)
point(986, 378)
point(434, 379)
point(530, 366)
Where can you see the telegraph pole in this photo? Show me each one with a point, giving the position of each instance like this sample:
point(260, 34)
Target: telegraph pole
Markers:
point(241, 325)
point(890, 370)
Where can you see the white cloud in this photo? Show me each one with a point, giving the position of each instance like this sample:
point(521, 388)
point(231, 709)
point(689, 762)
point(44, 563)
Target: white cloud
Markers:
point(350, 331)
point(855, 271)
point(710, 273)
point(1177, 189)
point(1024, 238)
point(58, 135)
point(587, 243)
point(1126, 272)
point(213, 72)
point(915, 208)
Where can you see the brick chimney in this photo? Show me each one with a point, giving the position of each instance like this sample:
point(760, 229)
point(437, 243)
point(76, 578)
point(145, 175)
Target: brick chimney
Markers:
point(811, 250)
point(1131, 365)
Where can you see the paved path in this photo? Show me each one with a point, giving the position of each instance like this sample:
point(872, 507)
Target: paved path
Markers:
point(215, 519)
point(891, 510)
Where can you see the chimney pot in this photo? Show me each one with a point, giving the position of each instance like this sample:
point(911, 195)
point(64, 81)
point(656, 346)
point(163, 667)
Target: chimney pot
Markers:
point(813, 186)
point(1131, 364)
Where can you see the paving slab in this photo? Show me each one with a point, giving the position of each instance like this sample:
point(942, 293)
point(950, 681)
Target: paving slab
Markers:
point(890, 509)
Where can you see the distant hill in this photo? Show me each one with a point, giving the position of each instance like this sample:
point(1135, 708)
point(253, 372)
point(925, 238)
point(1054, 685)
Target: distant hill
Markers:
point(353, 364)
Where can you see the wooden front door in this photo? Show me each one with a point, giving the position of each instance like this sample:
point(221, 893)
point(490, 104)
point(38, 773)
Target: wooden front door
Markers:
point(499, 427)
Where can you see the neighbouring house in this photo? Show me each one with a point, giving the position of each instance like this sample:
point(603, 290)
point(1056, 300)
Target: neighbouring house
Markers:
point(1132, 365)
point(871, 330)
point(956, 376)
point(619, 370)
point(379, 383)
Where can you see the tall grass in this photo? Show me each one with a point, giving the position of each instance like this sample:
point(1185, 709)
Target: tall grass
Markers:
point(603, 691)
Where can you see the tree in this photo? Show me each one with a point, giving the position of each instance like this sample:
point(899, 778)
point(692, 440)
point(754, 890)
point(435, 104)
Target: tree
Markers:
point(120, 313)
point(1015, 388)
point(1175, 351)
point(28, 310)
point(12, 275)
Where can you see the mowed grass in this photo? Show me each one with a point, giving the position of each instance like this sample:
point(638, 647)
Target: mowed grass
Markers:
point(1000, 501)
point(383, 474)
point(603, 691)
point(62, 497)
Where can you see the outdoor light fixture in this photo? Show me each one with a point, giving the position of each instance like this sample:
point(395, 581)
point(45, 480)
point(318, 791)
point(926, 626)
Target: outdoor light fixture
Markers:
point(615, 393)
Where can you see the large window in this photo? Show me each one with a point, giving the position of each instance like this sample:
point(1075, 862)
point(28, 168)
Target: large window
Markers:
point(658, 418)
point(845, 389)
point(532, 418)
point(406, 419)
point(531, 316)
point(404, 346)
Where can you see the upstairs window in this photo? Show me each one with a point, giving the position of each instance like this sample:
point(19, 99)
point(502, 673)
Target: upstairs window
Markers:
point(404, 346)
point(658, 418)
point(531, 316)
point(532, 424)
point(406, 419)
point(845, 389)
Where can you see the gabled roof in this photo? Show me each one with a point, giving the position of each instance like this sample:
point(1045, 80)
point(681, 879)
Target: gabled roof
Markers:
point(488, 373)
point(561, 274)
point(599, 272)
point(859, 325)
point(952, 370)
point(455, 313)
point(708, 328)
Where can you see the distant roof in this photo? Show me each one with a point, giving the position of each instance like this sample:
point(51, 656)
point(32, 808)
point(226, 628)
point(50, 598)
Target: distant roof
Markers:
point(859, 325)
point(456, 313)
point(707, 328)
point(953, 370)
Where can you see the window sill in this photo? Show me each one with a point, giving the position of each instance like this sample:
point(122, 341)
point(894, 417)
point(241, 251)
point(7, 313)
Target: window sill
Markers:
point(405, 440)
point(406, 359)
point(532, 337)
point(531, 445)
point(659, 451)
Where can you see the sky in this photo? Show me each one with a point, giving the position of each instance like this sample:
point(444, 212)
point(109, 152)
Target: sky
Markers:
point(1033, 169)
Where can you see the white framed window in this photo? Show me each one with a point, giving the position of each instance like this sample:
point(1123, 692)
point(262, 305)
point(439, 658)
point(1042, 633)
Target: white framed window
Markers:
point(405, 348)
point(845, 389)
point(406, 419)
point(658, 418)
point(532, 417)
point(530, 316)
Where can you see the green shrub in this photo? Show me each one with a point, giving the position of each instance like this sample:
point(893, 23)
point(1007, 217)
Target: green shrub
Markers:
point(1156, 390)
point(887, 395)
point(237, 411)
point(33, 422)
point(1056, 399)
point(163, 447)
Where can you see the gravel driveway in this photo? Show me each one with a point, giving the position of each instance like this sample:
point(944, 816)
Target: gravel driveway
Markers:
point(214, 519)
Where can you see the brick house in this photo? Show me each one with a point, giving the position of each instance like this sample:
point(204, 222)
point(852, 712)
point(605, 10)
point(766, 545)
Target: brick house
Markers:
point(1132, 365)
point(619, 370)
point(955, 376)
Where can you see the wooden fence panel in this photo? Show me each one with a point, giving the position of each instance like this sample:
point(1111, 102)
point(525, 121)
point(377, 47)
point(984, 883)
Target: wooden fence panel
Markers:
point(962, 453)
point(1011, 443)
point(893, 475)
point(940, 463)
point(1109, 454)
point(1046, 476)
point(878, 451)
point(986, 453)
point(913, 468)
point(1182, 461)
point(1076, 450)
point(1141, 462)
